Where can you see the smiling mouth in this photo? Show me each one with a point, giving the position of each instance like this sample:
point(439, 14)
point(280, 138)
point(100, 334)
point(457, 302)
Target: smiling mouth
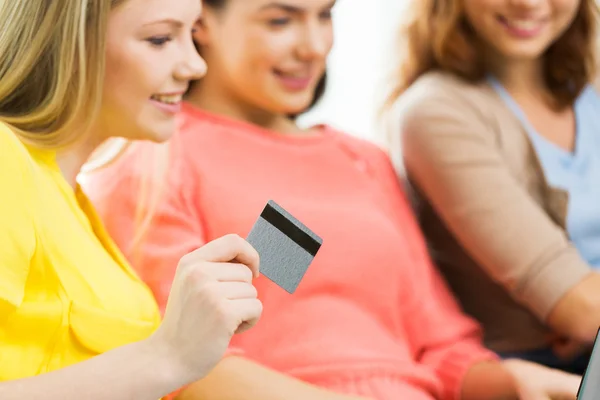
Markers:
point(525, 25)
point(303, 75)
point(297, 81)
point(171, 99)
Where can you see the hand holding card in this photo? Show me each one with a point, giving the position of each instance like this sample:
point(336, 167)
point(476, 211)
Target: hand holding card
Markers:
point(285, 245)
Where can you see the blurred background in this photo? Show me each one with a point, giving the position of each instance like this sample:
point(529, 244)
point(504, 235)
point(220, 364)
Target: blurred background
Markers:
point(358, 66)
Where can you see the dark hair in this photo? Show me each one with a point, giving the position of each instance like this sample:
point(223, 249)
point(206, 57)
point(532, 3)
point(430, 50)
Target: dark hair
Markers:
point(439, 38)
point(321, 86)
point(215, 3)
point(319, 91)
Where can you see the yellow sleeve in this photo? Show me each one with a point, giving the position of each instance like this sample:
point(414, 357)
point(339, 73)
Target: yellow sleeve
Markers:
point(17, 231)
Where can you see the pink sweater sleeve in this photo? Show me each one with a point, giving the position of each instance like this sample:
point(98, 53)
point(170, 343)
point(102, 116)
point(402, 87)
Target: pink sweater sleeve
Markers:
point(442, 336)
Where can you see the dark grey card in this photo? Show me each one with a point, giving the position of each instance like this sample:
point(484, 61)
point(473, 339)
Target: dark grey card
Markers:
point(589, 388)
point(285, 245)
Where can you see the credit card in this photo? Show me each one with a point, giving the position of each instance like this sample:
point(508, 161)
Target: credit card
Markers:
point(285, 245)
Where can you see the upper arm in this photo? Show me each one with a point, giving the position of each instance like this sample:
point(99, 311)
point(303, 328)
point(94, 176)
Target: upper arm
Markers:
point(451, 157)
point(17, 231)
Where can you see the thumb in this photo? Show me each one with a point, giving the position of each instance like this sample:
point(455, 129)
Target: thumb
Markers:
point(566, 388)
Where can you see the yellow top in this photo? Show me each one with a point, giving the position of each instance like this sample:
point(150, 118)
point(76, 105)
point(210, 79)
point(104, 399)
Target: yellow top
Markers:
point(66, 292)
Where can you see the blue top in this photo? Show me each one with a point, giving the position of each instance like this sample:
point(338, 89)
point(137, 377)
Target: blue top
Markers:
point(576, 172)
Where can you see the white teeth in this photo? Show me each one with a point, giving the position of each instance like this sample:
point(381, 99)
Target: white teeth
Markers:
point(168, 99)
point(296, 76)
point(523, 24)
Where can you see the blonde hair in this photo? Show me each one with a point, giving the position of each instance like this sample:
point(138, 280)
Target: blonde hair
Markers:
point(52, 67)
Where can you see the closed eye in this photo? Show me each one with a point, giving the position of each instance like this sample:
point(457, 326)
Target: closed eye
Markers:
point(279, 21)
point(158, 41)
point(325, 15)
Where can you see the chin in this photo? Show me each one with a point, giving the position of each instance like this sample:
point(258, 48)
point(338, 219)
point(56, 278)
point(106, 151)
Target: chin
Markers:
point(525, 54)
point(161, 136)
point(296, 106)
point(159, 132)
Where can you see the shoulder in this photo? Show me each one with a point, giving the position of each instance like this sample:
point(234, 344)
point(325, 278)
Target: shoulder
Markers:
point(18, 212)
point(13, 150)
point(375, 157)
point(358, 146)
point(441, 105)
point(439, 94)
point(15, 161)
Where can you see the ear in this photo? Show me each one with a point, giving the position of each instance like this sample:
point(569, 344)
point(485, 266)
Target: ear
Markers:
point(206, 26)
point(201, 32)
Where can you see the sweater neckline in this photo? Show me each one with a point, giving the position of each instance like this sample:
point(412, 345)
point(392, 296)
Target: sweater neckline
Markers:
point(321, 132)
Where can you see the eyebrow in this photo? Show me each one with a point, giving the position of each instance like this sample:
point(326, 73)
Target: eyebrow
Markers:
point(291, 9)
point(170, 21)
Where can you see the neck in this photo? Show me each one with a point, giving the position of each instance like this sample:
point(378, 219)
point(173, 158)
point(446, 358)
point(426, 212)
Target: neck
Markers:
point(520, 76)
point(71, 161)
point(210, 96)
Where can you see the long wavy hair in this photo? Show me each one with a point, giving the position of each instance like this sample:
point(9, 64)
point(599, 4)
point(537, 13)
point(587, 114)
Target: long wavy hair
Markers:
point(438, 37)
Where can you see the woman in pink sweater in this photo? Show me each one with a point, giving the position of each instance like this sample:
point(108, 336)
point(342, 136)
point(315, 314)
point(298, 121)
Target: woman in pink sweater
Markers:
point(372, 317)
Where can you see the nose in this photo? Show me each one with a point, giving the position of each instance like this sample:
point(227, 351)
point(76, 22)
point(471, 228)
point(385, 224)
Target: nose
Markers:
point(192, 66)
point(316, 41)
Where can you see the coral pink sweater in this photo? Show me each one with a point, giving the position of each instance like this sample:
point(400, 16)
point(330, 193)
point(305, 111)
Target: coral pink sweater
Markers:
point(372, 316)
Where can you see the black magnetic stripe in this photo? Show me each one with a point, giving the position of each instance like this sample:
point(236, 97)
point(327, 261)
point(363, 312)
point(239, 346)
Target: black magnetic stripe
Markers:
point(288, 228)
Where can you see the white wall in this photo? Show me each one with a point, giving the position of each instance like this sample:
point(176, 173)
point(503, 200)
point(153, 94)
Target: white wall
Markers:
point(358, 65)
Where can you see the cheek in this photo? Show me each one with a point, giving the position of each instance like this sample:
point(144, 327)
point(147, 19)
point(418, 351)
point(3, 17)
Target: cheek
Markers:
point(126, 80)
point(253, 59)
point(329, 39)
point(482, 13)
point(565, 11)
point(115, 76)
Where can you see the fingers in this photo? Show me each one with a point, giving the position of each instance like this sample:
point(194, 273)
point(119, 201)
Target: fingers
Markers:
point(248, 311)
point(567, 387)
point(237, 290)
point(226, 249)
point(229, 272)
point(244, 326)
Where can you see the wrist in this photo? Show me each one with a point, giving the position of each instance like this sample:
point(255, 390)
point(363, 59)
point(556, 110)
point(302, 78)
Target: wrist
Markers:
point(169, 369)
point(577, 313)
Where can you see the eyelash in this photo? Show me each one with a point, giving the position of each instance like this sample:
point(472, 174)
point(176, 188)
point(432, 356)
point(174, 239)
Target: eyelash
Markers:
point(326, 15)
point(284, 21)
point(158, 41)
point(279, 21)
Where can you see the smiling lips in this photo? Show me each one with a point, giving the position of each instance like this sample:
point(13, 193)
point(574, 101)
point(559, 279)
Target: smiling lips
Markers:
point(169, 103)
point(295, 82)
point(524, 28)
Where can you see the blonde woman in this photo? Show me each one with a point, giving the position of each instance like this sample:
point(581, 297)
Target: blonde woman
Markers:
point(499, 116)
point(75, 321)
